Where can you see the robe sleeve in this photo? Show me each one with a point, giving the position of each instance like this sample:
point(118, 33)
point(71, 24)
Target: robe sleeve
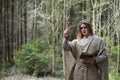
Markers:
point(69, 45)
point(102, 55)
point(103, 61)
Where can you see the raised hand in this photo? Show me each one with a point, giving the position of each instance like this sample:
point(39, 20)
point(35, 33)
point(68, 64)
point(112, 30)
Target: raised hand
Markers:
point(66, 32)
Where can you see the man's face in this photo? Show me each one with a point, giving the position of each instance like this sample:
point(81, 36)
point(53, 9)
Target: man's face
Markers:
point(84, 30)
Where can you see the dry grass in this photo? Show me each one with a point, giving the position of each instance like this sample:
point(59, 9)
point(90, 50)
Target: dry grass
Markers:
point(14, 74)
point(26, 77)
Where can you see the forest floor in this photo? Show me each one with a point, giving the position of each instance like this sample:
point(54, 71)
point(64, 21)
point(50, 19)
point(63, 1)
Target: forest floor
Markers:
point(25, 77)
point(14, 74)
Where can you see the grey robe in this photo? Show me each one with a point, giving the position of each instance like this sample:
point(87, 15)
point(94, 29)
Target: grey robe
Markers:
point(82, 70)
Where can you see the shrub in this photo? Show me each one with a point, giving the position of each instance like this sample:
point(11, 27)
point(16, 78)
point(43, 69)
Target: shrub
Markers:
point(113, 75)
point(114, 63)
point(33, 58)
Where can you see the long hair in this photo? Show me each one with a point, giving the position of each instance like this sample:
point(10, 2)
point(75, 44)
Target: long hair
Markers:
point(79, 34)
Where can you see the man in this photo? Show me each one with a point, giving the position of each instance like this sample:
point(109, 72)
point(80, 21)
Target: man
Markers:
point(88, 68)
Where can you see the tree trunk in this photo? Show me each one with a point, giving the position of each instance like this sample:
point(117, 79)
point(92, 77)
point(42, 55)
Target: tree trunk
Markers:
point(34, 27)
point(12, 30)
point(1, 34)
point(18, 27)
point(25, 22)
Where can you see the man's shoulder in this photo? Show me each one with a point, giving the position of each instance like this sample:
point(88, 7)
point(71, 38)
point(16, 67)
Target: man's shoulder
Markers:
point(98, 38)
point(74, 40)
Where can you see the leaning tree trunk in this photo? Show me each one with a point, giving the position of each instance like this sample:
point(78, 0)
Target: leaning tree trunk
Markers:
point(68, 60)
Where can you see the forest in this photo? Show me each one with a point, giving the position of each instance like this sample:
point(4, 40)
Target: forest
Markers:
point(31, 34)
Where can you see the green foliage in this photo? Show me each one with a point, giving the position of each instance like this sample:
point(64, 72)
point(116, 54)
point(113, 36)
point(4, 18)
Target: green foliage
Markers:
point(36, 59)
point(4, 67)
point(33, 57)
point(114, 62)
point(107, 40)
point(113, 75)
point(59, 66)
point(114, 56)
